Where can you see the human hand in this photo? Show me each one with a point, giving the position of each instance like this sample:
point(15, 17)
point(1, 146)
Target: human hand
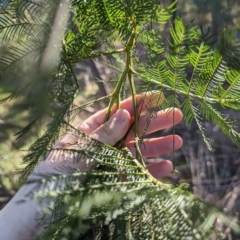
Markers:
point(117, 126)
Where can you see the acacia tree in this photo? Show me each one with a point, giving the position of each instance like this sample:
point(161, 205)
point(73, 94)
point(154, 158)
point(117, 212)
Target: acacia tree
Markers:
point(47, 39)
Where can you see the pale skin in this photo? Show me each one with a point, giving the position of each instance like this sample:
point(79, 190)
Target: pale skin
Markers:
point(18, 221)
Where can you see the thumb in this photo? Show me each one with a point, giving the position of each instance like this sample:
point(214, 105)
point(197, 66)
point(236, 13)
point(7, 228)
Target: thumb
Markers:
point(114, 129)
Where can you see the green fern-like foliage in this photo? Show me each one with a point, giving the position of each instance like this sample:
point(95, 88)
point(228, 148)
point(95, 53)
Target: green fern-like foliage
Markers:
point(139, 207)
point(117, 198)
point(212, 84)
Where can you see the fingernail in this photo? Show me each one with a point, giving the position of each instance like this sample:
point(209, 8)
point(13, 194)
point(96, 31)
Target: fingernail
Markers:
point(177, 142)
point(120, 115)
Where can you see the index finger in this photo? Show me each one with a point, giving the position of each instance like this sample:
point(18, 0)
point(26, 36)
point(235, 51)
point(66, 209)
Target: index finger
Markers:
point(145, 101)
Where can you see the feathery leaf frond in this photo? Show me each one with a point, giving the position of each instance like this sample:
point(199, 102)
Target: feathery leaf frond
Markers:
point(147, 208)
point(211, 80)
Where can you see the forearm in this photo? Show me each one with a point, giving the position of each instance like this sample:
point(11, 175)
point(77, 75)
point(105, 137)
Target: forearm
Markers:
point(19, 220)
point(22, 218)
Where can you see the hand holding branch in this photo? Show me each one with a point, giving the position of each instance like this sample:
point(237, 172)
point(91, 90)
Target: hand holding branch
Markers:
point(19, 221)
